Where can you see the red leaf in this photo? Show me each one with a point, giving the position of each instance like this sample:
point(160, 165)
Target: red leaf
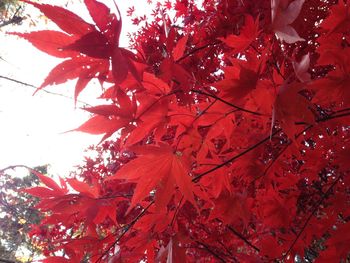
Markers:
point(119, 66)
point(41, 192)
point(100, 125)
point(64, 19)
point(157, 168)
point(239, 81)
point(104, 110)
point(180, 48)
point(247, 35)
point(99, 12)
point(340, 240)
point(48, 181)
point(93, 44)
point(339, 18)
point(83, 68)
point(108, 23)
point(291, 107)
point(51, 42)
point(155, 85)
point(83, 188)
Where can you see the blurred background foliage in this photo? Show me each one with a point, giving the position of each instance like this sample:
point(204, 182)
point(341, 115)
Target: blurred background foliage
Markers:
point(10, 12)
point(17, 215)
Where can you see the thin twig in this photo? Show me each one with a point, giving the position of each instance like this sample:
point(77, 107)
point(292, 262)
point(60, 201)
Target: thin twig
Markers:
point(198, 177)
point(124, 231)
point(325, 195)
point(244, 239)
point(197, 49)
point(176, 211)
point(11, 167)
point(207, 248)
point(46, 91)
point(226, 102)
point(6, 260)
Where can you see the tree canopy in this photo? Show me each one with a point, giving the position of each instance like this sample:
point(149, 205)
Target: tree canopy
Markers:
point(232, 134)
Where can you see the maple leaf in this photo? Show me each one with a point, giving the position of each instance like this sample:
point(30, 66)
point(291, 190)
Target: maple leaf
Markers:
point(247, 35)
point(283, 14)
point(99, 46)
point(180, 48)
point(50, 42)
point(83, 188)
point(276, 210)
point(291, 107)
point(339, 241)
point(160, 169)
point(83, 68)
point(110, 118)
point(231, 207)
point(334, 86)
point(240, 79)
point(68, 21)
point(174, 106)
point(339, 18)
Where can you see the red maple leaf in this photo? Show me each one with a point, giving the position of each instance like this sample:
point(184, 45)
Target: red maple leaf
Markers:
point(158, 169)
point(247, 35)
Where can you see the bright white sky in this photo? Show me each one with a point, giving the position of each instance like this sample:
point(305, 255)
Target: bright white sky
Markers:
point(32, 126)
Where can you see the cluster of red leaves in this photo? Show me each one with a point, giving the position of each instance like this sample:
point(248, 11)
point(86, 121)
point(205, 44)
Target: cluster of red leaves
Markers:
point(234, 137)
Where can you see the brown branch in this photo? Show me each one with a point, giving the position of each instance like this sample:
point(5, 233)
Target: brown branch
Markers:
point(46, 91)
point(193, 121)
point(334, 117)
point(11, 167)
point(154, 103)
point(226, 102)
point(176, 211)
point(198, 177)
point(6, 260)
point(124, 231)
point(208, 249)
point(324, 196)
point(244, 239)
point(197, 49)
point(15, 19)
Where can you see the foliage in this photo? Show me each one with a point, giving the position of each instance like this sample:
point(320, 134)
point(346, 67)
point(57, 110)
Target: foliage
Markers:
point(17, 214)
point(10, 12)
point(233, 142)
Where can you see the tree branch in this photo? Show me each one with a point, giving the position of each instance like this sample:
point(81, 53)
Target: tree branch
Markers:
point(196, 50)
point(226, 102)
point(198, 177)
point(11, 167)
point(124, 231)
point(7, 260)
point(207, 248)
point(245, 240)
point(324, 196)
point(46, 91)
point(15, 19)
